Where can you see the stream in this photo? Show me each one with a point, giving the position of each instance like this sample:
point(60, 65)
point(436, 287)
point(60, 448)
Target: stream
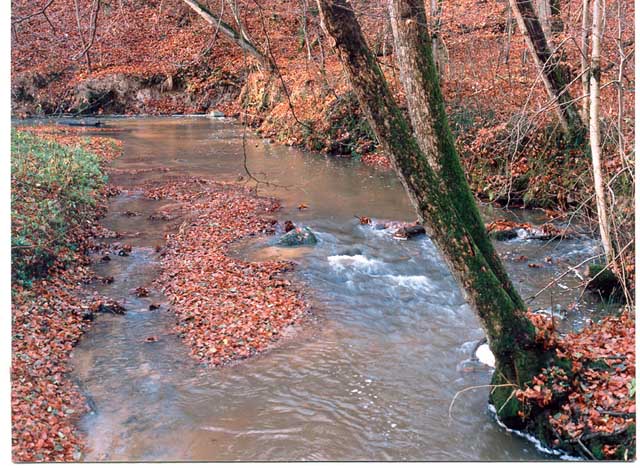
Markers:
point(372, 372)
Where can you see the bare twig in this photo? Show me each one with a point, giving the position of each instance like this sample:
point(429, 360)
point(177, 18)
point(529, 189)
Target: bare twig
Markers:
point(475, 387)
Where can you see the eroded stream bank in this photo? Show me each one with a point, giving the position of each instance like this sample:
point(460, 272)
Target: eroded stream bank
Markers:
point(373, 377)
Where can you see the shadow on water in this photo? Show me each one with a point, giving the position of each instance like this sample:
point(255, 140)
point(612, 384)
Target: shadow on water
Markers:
point(370, 379)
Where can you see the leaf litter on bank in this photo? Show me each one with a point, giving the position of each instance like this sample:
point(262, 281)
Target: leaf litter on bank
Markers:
point(48, 314)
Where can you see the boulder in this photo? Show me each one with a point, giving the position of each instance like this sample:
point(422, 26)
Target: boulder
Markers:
point(504, 235)
point(298, 236)
point(409, 232)
point(603, 281)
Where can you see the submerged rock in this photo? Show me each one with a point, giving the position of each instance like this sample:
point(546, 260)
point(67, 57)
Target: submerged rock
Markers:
point(298, 236)
point(351, 251)
point(88, 122)
point(107, 307)
point(409, 232)
point(507, 234)
point(503, 230)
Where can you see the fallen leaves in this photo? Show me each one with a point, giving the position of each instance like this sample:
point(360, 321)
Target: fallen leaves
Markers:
point(47, 320)
point(227, 309)
point(598, 400)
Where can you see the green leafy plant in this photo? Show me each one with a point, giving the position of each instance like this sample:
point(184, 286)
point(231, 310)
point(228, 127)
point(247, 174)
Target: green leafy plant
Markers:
point(53, 190)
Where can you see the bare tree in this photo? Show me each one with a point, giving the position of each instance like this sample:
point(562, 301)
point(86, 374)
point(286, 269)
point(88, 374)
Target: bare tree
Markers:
point(239, 39)
point(305, 33)
point(584, 60)
point(436, 22)
point(594, 130)
point(93, 26)
point(550, 70)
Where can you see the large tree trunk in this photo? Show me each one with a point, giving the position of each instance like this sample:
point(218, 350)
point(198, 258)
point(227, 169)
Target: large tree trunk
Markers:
point(594, 131)
point(551, 73)
point(238, 38)
point(511, 335)
point(431, 128)
point(549, 16)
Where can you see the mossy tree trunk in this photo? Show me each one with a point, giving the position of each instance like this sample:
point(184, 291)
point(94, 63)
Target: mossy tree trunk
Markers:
point(437, 188)
point(420, 80)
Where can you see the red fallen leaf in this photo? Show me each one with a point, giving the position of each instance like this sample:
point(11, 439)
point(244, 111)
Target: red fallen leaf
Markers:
point(534, 265)
point(302, 206)
point(141, 291)
point(289, 226)
point(364, 220)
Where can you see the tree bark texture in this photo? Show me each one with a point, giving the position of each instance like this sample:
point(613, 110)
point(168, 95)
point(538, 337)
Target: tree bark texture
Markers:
point(551, 73)
point(511, 335)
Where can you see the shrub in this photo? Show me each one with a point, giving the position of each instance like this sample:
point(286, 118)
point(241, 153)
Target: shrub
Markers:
point(54, 189)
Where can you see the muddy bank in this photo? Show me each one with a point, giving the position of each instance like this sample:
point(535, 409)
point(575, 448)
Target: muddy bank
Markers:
point(227, 309)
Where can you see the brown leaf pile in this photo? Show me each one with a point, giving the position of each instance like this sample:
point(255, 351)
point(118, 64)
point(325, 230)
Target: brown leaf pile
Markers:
point(227, 309)
point(597, 399)
point(46, 323)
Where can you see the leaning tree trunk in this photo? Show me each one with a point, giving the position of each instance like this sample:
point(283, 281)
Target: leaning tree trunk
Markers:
point(551, 73)
point(231, 33)
point(594, 132)
point(426, 110)
point(511, 335)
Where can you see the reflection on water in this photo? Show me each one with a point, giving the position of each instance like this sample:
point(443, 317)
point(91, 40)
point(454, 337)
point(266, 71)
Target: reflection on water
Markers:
point(372, 376)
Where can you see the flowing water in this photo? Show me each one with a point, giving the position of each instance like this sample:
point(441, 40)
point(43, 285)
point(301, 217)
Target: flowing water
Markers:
point(370, 376)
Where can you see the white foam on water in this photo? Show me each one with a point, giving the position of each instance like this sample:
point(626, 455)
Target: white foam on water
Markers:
point(536, 442)
point(417, 282)
point(485, 356)
point(357, 262)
